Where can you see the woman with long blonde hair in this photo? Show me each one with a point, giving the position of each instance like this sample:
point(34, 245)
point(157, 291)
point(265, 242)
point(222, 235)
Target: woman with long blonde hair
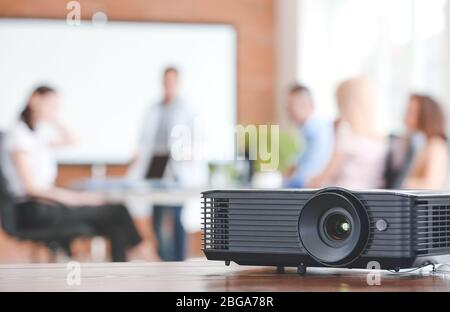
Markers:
point(359, 152)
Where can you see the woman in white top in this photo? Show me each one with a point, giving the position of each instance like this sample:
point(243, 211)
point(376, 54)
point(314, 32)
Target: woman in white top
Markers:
point(359, 154)
point(30, 171)
point(28, 163)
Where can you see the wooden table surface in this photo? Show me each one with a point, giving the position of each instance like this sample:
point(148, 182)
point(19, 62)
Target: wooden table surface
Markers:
point(202, 275)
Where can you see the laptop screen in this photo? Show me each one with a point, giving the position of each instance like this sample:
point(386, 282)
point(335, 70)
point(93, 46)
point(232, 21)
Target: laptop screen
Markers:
point(157, 167)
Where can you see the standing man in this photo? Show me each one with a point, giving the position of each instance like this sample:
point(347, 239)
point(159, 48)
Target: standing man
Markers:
point(155, 139)
point(317, 134)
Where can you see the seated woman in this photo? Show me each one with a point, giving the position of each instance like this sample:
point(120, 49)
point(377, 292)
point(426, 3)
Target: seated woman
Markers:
point(30, 171)
point(430, 164)
point(359, 152)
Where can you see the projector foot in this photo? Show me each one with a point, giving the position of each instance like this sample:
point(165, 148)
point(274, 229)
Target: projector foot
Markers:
point(280, 269)
point(227, 262)
point(301, 269)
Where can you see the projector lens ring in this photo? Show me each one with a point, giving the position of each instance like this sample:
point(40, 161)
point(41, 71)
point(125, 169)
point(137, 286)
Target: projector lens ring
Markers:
point(334, 227)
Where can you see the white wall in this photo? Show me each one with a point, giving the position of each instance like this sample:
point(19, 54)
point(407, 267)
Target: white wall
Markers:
point(108, 75)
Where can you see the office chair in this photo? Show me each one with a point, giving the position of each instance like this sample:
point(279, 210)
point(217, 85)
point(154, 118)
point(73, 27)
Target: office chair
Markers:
point(400, 156)
point(56, 238)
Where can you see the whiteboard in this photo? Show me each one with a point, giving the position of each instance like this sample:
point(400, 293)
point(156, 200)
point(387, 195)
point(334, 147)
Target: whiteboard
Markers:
point(108, 76)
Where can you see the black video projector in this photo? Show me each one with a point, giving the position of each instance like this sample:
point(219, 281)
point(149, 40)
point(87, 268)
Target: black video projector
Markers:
point(331, 227)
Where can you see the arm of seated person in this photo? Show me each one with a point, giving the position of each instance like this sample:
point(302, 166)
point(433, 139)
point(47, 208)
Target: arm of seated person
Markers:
point(67, 136)
point(21, 160)
point(434, 160)
point(329, 172)
point(289, 171)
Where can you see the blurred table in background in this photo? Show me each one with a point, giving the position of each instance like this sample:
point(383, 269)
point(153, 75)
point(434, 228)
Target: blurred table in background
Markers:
point(154, 192)
point(141, 196)
point(202, 275)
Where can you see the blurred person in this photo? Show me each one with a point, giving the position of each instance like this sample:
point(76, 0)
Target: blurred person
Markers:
point(400, 155)
point(359, 154)
point(317, 133)
point(402, 151)
point(30, 171)
point(429, 168)
point(155, 140)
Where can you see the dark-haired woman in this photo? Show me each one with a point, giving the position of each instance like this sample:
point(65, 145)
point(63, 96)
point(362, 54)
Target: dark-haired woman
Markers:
point(429, 168)
point(30, 171)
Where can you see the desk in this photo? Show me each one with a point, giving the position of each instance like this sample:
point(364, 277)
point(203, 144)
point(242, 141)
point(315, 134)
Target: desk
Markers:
point(154, 197)
point(140, 195)
point(153, 192)
point(202, 275)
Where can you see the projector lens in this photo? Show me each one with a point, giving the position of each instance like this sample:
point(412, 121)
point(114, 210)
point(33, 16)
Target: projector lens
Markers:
point(337, 227)
point(333, 227)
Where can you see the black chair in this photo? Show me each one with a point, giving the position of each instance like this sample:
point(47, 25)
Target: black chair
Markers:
point(56, 237)
point(400, 156)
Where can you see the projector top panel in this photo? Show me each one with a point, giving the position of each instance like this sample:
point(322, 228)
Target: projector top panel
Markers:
point(407, 193)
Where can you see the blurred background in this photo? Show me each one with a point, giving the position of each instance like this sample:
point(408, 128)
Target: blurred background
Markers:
point(223, 63)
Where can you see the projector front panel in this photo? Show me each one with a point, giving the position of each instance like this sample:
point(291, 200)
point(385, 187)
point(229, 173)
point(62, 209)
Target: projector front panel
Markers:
point(395, 211)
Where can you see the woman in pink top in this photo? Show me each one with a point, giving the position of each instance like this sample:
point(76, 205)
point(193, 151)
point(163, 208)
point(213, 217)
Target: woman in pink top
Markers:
point(359, 153)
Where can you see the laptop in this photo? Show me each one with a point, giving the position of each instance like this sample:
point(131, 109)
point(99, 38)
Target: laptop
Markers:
point(157, 167)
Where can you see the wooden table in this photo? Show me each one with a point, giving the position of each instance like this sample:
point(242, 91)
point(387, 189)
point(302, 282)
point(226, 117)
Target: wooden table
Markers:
point(201, 275)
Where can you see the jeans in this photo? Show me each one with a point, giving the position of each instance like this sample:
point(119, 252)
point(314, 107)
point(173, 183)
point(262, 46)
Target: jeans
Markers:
point(169, 232)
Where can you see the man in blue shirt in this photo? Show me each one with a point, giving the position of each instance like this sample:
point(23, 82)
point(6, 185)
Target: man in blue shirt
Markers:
point(318, 137)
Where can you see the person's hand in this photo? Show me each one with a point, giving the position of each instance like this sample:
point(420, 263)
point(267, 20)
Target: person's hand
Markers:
point(133, 160)
point(55, 120)
point(315, 182)
point(66, 137)
point(289, 172)
point(73, 199)
point(92, 199)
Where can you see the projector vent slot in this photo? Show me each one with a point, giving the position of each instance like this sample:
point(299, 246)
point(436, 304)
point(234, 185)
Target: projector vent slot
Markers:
point(252, 222)
point(215, 223)
point(432, 230)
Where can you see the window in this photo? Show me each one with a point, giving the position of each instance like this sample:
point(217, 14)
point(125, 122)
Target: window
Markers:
point(401, 45)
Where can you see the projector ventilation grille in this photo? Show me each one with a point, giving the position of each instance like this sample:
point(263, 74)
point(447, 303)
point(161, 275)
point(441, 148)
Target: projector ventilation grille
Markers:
point(215, 223)
point(252, 222)
point(432, 231)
